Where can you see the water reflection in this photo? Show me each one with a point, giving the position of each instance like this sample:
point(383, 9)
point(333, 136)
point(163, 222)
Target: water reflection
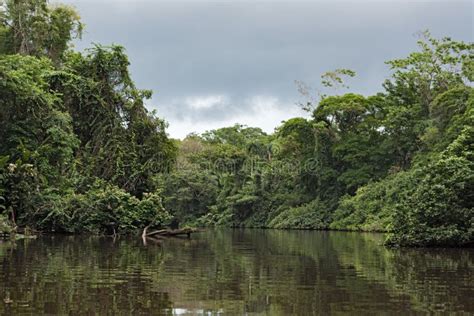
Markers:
point(256, 272)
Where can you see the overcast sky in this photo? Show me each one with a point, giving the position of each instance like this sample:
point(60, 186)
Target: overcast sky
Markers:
point(215, 63)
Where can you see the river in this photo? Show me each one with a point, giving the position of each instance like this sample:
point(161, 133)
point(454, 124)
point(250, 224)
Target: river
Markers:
point(232, 272)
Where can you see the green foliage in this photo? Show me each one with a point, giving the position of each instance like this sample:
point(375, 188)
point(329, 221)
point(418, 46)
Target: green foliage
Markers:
point(32, 27)
point(436, 67)
point(313, 215)
point(237, 135)
point(438, 209)
point(79, 150)
point(188, 194)
point(450, 112)
point(121, 141)
point(6, 228)
point(101, 209)
point(3, 180)
point(295, 139)
point(356, 164)
point(334, 78)
point(372, 207)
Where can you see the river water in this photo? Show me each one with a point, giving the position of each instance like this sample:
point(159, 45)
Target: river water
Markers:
point(232, 272)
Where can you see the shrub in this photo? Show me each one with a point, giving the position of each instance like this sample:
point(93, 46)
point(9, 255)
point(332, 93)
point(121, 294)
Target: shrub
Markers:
point(439, 209)
point(102, 208)
point(5, 226)
point(371, 209)
point(313, 215)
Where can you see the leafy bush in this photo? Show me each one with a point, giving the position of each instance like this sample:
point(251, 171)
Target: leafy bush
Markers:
point(188, 194)
point(216, 217)
point(313, 215)
point(102, 208)
point(439, 209)
point(5, 226)
point(371, 208)
point(3, 178)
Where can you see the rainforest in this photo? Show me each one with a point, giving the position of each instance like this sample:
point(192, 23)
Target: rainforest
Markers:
point(80, 153)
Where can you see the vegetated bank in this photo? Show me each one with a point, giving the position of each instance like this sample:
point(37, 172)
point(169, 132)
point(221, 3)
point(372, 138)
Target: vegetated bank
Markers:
point(399, 161)
point(80, 153)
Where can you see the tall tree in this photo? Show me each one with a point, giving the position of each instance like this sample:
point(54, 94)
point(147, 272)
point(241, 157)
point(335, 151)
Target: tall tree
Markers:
point(32, 27)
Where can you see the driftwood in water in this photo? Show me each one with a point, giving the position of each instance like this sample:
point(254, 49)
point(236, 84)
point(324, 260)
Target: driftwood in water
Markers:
point(171, 232)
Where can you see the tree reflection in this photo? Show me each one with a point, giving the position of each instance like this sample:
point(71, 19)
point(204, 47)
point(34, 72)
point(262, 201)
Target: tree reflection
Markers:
point(232, 271)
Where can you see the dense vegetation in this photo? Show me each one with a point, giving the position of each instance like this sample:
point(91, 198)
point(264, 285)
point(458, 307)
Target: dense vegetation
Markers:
point(78, 148)
point(400, 161)
point(79, 151)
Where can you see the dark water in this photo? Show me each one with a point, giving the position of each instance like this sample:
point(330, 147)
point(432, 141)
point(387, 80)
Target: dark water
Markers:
point(232, 272)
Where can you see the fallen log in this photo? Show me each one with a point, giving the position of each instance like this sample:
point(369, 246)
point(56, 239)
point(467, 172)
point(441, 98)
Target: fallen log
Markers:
point(172, 232)
point(145, 231)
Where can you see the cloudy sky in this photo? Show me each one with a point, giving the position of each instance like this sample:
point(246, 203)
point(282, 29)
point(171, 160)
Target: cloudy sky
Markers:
point(215, 63)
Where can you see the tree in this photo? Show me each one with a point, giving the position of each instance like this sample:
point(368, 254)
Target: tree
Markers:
point(32, 27)
point(74, 128)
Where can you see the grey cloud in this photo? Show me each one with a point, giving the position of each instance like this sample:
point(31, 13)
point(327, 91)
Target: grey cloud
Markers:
point(246, 48)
